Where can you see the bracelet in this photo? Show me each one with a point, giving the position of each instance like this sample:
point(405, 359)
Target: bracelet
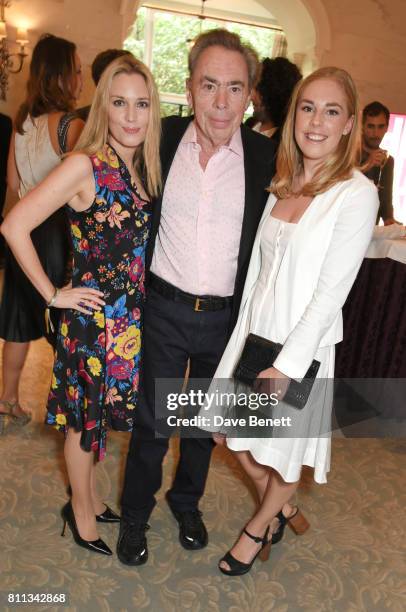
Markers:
point(53, 298)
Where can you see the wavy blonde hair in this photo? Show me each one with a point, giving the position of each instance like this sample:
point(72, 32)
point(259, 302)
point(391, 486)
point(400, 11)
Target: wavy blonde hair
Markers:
point(95, 133)
point(340, 164)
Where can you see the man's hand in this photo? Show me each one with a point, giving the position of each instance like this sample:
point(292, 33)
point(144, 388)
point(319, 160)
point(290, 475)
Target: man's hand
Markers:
point(378, 157)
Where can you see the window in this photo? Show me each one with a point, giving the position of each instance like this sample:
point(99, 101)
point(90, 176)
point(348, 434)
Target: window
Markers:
point(395, 142)
point(161, 39)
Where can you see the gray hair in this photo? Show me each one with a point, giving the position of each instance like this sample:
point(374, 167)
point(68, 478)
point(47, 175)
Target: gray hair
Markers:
point(230, 41)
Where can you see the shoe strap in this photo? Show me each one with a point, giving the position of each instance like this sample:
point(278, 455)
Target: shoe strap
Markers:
point(9, 405)
point(257, 539)
point(285, 519)
point(294, 514)
point(233, 563)
point(282, 519)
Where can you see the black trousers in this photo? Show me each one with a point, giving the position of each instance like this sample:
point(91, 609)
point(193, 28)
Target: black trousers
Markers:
point(173, 333)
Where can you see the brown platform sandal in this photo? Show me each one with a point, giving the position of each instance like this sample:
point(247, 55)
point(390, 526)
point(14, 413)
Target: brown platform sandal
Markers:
point(297, 522)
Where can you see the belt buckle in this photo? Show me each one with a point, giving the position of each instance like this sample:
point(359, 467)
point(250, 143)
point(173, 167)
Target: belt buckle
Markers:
point(197, 305)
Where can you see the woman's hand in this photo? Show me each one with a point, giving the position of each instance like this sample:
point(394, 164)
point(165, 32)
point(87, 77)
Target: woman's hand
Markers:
point(271, 381)
point(82, 299)
point(219, 438)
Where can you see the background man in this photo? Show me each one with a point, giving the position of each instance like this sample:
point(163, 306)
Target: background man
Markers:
point(378, 166)
point(99, 65)
point(215, 174)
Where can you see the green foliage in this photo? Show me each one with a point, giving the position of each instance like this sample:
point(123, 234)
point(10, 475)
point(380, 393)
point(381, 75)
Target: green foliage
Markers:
point(135, 42)
point(261, 39)
point(169, 108)
point(172, 36)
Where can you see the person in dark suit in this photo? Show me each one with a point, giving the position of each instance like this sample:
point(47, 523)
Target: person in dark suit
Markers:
point(215, 175)
point(6, 128)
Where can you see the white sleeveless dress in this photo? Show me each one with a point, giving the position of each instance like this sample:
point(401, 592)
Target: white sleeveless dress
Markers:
point(312, 446)
point(34, 153)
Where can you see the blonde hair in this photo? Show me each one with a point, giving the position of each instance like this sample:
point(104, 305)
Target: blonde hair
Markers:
point(340, 164)
point(95, 133)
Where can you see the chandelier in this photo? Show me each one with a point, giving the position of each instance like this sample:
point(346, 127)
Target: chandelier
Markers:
point(10, 63)
point(202, 17)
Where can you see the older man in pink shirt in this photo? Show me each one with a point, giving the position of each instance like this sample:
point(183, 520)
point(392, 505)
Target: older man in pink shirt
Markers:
point(215, 175)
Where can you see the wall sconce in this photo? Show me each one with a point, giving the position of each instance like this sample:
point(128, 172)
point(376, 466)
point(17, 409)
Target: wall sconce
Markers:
point(10, 63)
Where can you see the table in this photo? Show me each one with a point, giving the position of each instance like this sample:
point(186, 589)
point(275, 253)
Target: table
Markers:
point(388, 242)
point(373, 351)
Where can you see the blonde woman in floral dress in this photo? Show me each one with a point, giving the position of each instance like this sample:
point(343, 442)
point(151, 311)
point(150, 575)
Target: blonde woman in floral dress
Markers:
point(107, 184)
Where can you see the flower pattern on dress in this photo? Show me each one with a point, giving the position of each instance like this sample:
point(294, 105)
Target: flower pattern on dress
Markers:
point(96, 372)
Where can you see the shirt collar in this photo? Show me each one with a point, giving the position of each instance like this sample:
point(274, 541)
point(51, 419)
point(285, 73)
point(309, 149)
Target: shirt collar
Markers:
point(235, 144)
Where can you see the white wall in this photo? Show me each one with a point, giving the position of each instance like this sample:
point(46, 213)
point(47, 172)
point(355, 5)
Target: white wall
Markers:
point(369, 40)
point(93, 25)
point(367, 37)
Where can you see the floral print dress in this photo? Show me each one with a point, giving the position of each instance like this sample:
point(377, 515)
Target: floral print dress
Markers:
point(97, 360)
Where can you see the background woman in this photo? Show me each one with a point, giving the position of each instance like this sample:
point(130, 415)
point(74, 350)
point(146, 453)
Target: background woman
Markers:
point(272, 94)
point(310, 243)
point(44, 130)
point(107, 185)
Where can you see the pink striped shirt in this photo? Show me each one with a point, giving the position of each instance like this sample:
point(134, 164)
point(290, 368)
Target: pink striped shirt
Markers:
point(198, 240)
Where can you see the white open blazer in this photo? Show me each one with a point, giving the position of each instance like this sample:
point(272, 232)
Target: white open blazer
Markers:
point(315, 276)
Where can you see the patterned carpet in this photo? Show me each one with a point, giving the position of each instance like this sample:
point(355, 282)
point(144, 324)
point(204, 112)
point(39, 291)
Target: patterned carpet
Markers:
point(351, 560)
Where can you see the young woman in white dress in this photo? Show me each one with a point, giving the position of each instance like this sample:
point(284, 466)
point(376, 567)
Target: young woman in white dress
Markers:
point(310, 243)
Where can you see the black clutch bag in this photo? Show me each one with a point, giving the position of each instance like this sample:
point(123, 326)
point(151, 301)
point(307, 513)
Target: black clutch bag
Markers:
point(259, 354)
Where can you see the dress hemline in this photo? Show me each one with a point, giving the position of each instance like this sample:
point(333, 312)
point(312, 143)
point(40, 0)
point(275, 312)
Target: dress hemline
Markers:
point(277, 461)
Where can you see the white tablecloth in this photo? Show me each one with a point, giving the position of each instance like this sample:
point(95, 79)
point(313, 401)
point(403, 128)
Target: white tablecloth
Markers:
point(382, 245)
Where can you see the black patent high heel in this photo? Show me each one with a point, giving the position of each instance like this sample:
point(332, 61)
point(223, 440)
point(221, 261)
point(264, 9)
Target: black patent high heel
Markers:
point(238, 568)
point(68, 517)
point(108, 516)
point(297, 522)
